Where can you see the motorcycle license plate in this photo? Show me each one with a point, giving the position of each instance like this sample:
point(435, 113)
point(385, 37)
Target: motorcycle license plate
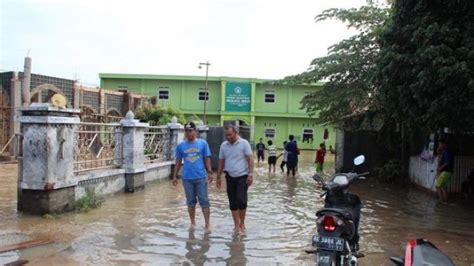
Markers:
point(328, 242)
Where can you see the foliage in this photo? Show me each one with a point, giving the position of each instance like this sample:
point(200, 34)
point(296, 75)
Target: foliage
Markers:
point(390, 171)
point(159, 115)
point(348, 68)
point(426, 66)
point(88, 202)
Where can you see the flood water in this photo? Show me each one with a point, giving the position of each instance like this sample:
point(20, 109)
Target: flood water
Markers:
point(151, 227)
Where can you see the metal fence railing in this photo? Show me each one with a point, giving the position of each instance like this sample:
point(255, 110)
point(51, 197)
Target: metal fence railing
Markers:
point(157, 139)
point(97, 146)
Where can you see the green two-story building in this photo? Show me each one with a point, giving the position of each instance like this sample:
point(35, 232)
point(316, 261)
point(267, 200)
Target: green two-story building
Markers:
point(269, 111)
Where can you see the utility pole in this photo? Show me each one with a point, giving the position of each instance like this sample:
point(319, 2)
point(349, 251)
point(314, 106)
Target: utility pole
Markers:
point(206, 94)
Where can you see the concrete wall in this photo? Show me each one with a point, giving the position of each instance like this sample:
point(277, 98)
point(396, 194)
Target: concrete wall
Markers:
point(111, 181)
point(159, 171)
point(101, 183)
point(422, 172)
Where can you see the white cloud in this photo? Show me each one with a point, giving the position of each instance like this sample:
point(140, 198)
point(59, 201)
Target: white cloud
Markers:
point(266, 39)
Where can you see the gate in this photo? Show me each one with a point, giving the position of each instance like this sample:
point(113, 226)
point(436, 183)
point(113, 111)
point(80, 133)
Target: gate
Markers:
point(5, 118)
point(215, 137)
point(242, 128)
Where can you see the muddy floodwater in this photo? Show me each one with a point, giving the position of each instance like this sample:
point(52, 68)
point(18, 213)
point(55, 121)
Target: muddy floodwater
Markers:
point(151, 227)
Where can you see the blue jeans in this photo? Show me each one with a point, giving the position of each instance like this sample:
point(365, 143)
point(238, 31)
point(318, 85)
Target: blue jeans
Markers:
point(196, 188)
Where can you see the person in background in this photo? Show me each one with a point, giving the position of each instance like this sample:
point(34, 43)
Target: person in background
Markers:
point(271, 156)
point(445, 171)
point(297, 156)
point(320, 153)
point(285, 157)
point(331, 150)
point(260, 151)
point(235, 160)
point(196, 154)
point(292, 158)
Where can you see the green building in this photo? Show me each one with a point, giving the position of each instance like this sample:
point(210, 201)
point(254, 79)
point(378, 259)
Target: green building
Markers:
point(269, 111)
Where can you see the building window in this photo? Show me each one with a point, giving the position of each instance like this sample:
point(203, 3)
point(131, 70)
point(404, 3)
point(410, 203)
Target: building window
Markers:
point(269, 96)
point(203, 95)
point(269, 133)
point(308, 135)
point(326, 134)
point(163, 93)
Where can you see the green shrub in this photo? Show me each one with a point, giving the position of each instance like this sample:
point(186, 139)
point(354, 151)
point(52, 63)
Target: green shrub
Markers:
point(88, 202)
point(391, 171)
point(157, 115)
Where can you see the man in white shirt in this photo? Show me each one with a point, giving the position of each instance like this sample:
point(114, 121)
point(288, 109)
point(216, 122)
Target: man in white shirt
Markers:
point(236, 161)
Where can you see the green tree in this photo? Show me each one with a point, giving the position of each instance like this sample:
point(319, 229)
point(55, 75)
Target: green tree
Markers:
point(425, 72)
point(349, 67)
point(158, 115)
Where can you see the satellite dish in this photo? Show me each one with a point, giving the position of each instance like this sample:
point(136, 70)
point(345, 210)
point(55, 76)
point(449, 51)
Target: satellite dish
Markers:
point(58, 100)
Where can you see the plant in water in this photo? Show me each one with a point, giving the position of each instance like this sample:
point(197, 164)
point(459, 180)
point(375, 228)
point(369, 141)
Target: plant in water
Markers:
point(51, 216)
point(390, 171)
point(88, 202)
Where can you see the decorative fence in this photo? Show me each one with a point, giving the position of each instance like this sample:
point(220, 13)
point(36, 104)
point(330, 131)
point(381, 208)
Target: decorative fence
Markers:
point(157, 143)
point(63, 158)
point(100, 146)
point(463, 165)
point(97, 146)
point(5, 119)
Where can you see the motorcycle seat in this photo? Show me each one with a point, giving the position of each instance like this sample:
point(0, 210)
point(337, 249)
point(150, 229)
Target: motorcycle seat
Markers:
point(342, 212)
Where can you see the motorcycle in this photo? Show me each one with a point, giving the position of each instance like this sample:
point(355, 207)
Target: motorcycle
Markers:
point(337, 240)
point(422, 252)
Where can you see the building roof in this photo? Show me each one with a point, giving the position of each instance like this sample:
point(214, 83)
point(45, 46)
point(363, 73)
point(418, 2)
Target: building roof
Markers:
point(184, 77)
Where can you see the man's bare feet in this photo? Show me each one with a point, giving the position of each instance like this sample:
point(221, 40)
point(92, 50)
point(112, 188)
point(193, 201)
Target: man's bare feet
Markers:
point(242, 228)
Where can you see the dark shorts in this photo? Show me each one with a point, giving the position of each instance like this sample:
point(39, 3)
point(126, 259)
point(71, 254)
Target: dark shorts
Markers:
point(237, 192)
point(291, 164)
point(272, 160)
point(261, 155)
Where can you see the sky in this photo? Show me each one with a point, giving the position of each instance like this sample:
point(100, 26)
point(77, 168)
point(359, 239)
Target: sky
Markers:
point(79, 39)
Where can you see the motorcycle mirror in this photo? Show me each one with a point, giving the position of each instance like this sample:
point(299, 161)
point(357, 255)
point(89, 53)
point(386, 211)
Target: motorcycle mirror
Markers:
point(359, 160)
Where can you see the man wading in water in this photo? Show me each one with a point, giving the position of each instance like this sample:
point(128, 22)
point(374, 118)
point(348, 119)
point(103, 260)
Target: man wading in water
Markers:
point(235, 159)
point(195, 153)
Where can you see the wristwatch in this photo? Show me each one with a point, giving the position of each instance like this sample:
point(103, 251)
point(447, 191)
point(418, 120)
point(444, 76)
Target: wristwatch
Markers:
point(250, 174)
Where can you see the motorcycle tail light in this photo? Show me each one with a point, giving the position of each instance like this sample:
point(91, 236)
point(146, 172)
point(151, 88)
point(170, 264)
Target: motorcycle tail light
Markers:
point(409, 252)
point(329, 223)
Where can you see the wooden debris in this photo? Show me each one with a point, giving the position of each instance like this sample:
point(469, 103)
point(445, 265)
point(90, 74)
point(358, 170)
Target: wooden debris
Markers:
point(25, 244)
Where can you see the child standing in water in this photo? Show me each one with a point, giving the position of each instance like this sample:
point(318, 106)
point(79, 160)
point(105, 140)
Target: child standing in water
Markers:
point(271, 156)
point(285, 156)
point(320, 157)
